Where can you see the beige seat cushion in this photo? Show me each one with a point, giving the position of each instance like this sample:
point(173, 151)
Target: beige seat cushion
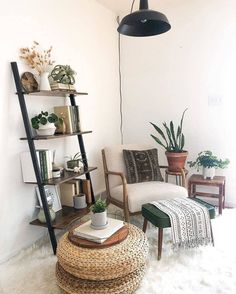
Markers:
point(141, 193)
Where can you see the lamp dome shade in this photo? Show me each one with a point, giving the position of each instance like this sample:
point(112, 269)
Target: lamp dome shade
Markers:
point(144, 23)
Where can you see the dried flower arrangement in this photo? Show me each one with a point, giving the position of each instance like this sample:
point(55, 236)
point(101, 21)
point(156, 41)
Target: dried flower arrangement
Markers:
point(40, 60)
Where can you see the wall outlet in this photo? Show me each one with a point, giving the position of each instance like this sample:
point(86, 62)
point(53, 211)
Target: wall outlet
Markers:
point(215, 100)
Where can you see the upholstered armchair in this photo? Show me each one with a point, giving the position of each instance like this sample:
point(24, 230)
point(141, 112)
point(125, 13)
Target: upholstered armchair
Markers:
point(131, 197)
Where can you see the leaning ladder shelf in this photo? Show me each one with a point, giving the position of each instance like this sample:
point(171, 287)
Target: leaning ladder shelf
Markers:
point(68, 214)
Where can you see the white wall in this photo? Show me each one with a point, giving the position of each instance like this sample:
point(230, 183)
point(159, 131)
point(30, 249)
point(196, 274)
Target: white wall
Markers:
point(196, 60)
point(82, 35)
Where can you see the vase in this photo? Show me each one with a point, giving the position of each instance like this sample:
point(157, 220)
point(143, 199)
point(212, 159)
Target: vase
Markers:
point(79, 201)
point(209, 173)
point(61, 127)
point(99, 220)
point(44, 82)
point(46, 130)
point(41, 215)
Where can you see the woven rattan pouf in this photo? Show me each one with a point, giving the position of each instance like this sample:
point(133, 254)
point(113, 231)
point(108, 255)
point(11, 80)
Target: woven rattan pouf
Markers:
point(116, 269)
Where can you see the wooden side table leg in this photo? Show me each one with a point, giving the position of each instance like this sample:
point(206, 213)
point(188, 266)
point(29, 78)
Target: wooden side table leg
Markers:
point(224, 195)
point(189, 189)
point(220, 199)
point(145, 225)
point(160, 239)
point(166, 178)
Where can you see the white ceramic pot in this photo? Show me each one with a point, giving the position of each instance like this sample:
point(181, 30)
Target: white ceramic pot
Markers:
point(79, 201)
point(99, 220)
point(44, 82)
point(209, 172)
point(46, 130)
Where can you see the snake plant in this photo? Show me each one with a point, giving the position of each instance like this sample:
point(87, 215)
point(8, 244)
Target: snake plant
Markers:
point(171, 139)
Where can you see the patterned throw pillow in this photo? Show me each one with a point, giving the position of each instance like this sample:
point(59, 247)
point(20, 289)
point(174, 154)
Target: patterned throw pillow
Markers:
point(142, 166)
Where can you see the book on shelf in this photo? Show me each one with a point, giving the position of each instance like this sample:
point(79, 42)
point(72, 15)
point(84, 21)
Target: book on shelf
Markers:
point(84, 231)
point(71, 117)
point(67, 191)
point(85, 187)
point(44, 157)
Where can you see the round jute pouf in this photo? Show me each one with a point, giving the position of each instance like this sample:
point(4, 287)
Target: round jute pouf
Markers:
point(72, 285)
point(109, 263)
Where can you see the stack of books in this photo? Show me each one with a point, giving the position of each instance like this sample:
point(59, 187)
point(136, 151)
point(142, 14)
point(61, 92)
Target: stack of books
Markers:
point(75, 187)
point(70, 115)
point(44, 157)
point(85, 231)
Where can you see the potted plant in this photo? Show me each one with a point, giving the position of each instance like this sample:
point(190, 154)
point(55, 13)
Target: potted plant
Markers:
point(62, 78)
point(44, 123)
point(209, 163)
point(99, 214)
point(74, 161)
point(173, 142)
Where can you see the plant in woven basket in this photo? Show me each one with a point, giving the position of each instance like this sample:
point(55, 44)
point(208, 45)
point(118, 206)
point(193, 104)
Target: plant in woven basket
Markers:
point(63, 74)
point(99, 214)
point(74, 161)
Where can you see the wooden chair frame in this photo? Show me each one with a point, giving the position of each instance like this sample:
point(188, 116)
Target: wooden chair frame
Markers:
point(124, 205)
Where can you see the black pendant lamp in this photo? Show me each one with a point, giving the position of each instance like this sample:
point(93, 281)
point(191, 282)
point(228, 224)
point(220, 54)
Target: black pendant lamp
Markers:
point(144, 22)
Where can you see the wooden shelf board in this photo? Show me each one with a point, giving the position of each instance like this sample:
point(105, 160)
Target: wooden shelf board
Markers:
point(56, 136)
point(56, 93)
point(66, 177)
point(64, 217)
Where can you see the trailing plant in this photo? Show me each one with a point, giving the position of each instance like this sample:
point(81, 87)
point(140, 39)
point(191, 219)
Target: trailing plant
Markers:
point(172, 139)
point(207, 159)
point(38, 59)
point(63, 74)
point(99, 206)
point(43, 118)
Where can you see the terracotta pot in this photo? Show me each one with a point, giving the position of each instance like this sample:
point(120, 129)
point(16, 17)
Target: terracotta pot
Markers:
point(176, 160)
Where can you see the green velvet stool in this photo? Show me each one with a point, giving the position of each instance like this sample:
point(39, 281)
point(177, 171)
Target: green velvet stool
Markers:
point(161, 220)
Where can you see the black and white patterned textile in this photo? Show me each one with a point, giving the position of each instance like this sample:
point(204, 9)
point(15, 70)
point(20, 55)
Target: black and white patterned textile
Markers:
point(190, 222)
point(142, 166)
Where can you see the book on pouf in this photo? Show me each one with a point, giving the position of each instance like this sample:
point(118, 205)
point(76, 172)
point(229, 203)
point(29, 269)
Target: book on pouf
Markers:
point(84, 231)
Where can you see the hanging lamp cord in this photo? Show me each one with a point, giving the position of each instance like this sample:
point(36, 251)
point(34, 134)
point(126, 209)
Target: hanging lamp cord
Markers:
point(120, 87)
point(132, 6)
point(120, 78)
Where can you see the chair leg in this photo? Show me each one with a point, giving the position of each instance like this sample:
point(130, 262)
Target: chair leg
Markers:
point(127, 216)
point(145, 225)
point(160, 239)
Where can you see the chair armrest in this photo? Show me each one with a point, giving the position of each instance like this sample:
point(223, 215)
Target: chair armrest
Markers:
point(124, 184)
point(123, 178)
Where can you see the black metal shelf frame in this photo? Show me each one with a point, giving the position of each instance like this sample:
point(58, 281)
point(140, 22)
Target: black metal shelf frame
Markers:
point(30, 138)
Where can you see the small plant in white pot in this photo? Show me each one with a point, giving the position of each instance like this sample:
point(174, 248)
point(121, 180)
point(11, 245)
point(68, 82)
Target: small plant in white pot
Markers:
point(99, 214)
point(44, 123)
point(209, 163)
